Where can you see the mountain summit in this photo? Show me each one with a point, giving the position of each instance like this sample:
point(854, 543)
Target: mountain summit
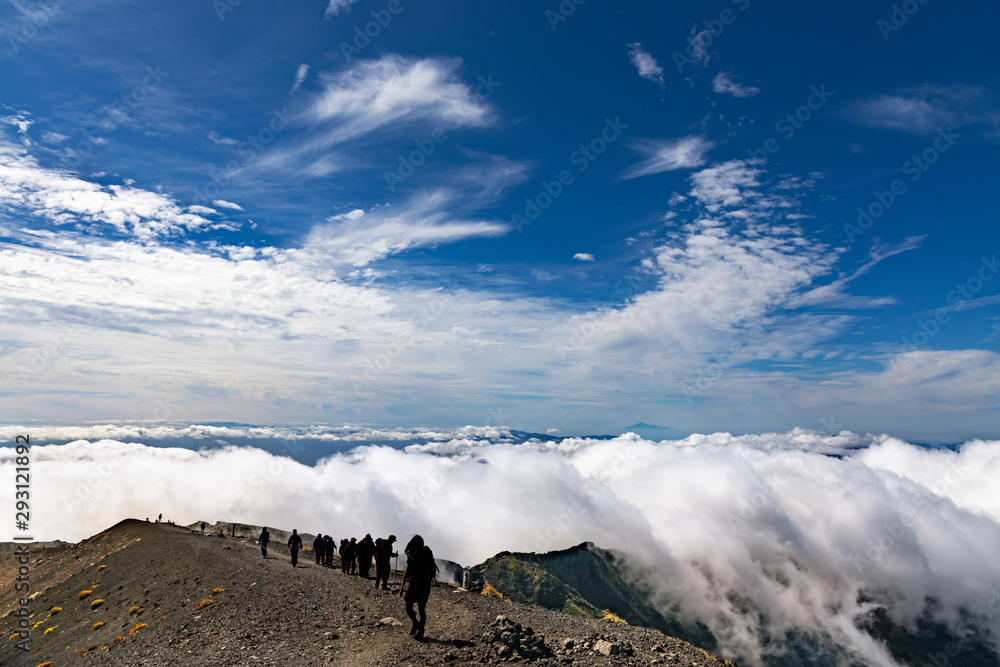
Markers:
point(153, 594)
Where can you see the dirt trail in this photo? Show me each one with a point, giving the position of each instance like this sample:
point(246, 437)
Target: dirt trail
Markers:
point(271, 614)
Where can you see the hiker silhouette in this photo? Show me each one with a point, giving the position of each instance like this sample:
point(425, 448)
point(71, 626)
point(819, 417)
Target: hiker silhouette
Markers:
point(352, 556)
point(328, 549)
point(318, 548)
point(294, 544)
point(383, 554)
point(344, 548)
point(264, 538)
point(418, 579)
point(366, 549)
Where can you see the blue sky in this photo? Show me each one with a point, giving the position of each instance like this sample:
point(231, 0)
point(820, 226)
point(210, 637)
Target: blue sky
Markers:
point(549, 216)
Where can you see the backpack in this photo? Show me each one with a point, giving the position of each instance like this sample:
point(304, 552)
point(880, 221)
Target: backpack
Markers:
point(429, 568)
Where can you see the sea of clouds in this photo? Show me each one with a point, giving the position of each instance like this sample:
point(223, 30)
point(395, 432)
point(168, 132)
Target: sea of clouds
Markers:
point(809, 530)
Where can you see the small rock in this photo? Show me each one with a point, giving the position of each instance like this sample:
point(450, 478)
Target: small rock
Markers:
point(604, 647)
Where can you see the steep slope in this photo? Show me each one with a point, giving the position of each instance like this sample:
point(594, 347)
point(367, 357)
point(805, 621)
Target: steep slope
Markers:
point(154, 579)
point(584, 581)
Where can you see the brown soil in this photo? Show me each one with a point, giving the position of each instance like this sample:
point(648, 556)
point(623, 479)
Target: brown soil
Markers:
point(271, 614)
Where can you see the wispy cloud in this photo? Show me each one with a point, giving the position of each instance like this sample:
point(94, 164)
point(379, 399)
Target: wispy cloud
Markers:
point(725, 84)
point(337, 6)
point(359, 238)
point(584, 257)
point(217, 138)
point(374, 94)
point(645, 63)
point(391, 96)
point(924, 109)
point(684, 153)
point(222, 203)
point(300, 76)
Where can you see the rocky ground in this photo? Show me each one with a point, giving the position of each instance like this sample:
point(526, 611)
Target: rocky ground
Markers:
point(173, 597)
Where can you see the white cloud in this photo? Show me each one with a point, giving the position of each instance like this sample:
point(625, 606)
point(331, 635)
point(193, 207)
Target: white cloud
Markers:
point(811, 531)
point(65, 199)
point(393, 89)
point(644, 63)
point(926, 109)
point(584, 257)
point(684, 153)
point(217, 138)
point(53, 137)
point(222, 203)
point(300, 76)
point(337, 6)
point(724, 84)
point(358, 238)
point(724, 185)
point(20, 120)
point(202, 210)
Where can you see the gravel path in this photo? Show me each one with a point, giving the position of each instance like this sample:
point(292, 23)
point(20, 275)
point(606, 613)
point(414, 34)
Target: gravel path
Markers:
point(271, 614)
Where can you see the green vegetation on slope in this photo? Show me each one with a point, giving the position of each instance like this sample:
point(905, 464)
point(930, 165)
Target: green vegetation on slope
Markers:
point(583, 581)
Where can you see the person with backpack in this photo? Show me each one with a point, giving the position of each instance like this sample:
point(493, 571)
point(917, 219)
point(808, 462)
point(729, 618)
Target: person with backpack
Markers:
point(383, 554)
point(328, 551)
point(352, 556)
point(343, 555)
point(418, 577)
point(264, 538)
point(366, 549)
point(294, 545)
point(318, 547)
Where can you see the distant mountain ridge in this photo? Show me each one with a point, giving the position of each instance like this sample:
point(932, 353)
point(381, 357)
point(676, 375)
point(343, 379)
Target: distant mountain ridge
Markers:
point(656, 433)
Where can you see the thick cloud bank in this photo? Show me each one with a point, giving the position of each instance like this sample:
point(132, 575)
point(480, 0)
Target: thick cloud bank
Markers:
point(806, 530)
